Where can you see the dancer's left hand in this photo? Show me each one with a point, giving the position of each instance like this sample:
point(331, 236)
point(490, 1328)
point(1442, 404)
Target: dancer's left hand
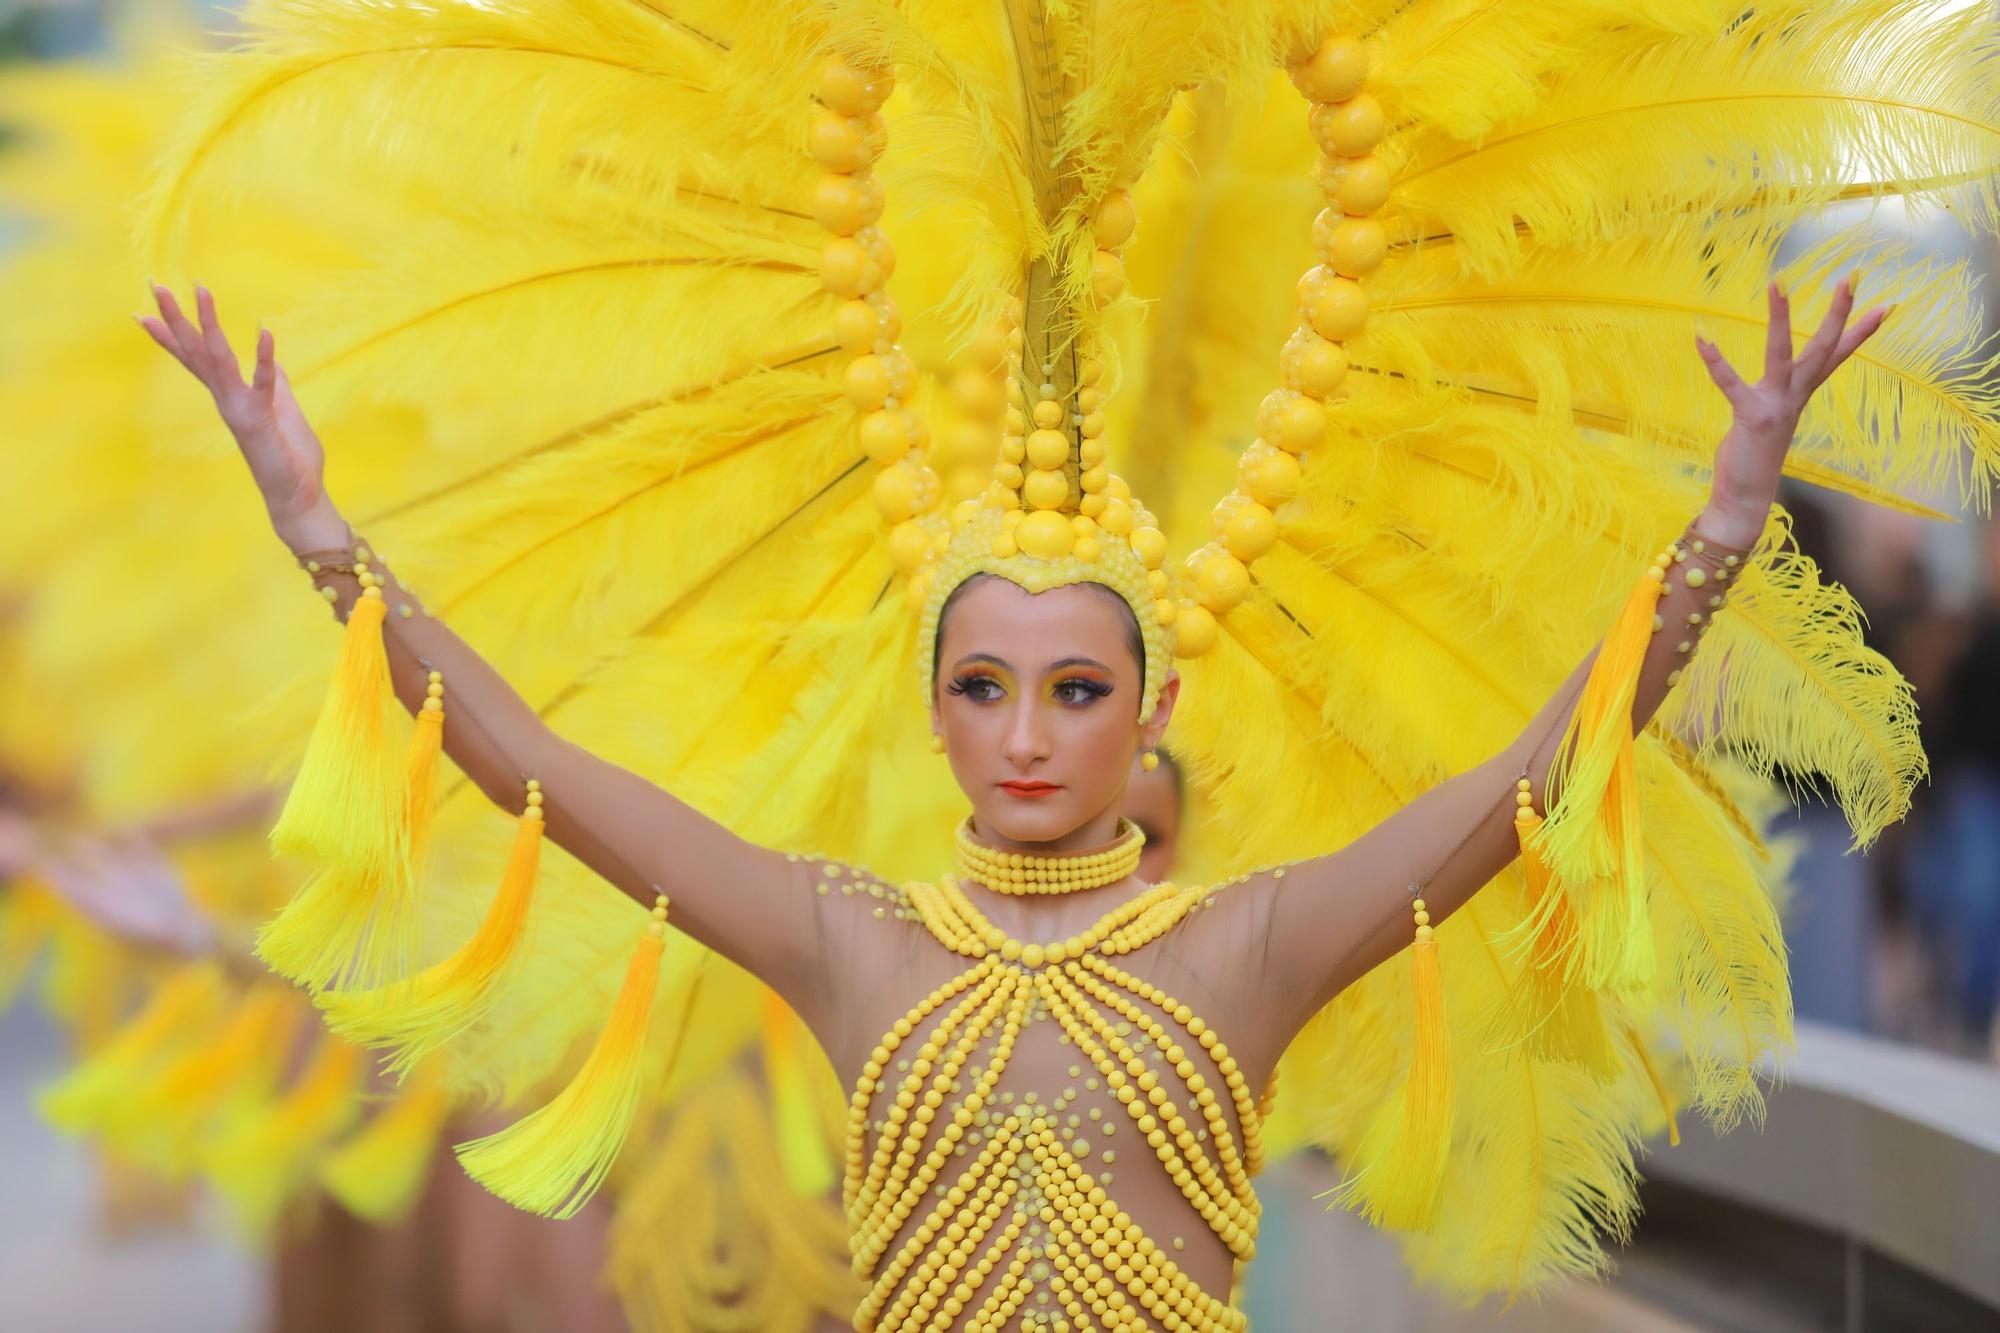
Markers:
point(1751, 457)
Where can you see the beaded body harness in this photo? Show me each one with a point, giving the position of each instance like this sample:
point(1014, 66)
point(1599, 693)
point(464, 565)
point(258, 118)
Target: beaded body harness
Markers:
point(1011, 1198)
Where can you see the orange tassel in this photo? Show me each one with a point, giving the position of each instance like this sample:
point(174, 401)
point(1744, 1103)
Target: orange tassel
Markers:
point(1564, 1017)
point(1398, 1168)
point(422, 1013)
point(339, 810)
point(553, 1161)
point(355, 929)
point(1592, 833)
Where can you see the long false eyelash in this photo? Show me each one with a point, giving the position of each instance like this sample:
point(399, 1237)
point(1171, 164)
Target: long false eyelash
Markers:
point(960, 684)
point(1095, 688)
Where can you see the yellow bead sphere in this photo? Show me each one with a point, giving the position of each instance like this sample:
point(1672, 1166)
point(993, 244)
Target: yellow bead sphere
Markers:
point(1194, 631)
point(1048, 448)
point(1045, 489)
point(845, 88)
point(856, 326)
point(1338, 308)
point(1222, 583)
point(1116, 220)
point(1045, 535)
point(1300, 425)
point(1356, 185)
point(895, 493)
point(1150, 545)
point(1249, 530)
point(840, 205)
point(1117, 518)
point(1313, 365)
point(976, 394)
point(842, 143)
point(867, 382)
point(1334, 72)
point(1271, 476)
point(885, 437)
point(1349, 128)
point(1355, 247)
point(967, 443)
point(909, 546)
point(845, 267)
point(1107, 277)
point(1048, 414)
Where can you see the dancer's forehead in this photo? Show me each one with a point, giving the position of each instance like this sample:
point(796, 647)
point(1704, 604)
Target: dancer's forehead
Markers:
point(1079, 626)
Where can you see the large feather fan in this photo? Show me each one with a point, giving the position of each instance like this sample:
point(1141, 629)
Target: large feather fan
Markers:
point(579, 243)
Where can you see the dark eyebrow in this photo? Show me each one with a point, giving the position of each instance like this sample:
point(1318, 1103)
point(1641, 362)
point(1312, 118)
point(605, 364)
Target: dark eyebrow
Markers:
point(1000, 662)
point(1068, 662)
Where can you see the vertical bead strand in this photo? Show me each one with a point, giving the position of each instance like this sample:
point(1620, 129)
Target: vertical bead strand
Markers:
point(1348, 125)
point(846, 138)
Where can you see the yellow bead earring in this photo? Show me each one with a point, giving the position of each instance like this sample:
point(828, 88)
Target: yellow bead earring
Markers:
point(937, 743)
point(1150, 760)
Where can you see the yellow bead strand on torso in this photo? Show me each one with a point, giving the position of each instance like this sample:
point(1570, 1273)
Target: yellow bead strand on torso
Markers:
point(1022, 1205)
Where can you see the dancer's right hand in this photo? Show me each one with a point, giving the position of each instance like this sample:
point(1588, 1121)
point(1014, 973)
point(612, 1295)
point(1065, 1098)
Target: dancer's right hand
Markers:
point(284, 455)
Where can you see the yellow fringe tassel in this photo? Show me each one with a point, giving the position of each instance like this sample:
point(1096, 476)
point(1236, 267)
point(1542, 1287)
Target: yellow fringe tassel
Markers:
point(422, 1013)
point(165, 1122)
point(341, 807)
point(1565, 1018)
point(1398, 1168)
point(379, 1173)
point(804, 1151)
point(355, 929)
point(258, 1161)
point(93, 1093)
point(1591, 836)
point(553, 1161)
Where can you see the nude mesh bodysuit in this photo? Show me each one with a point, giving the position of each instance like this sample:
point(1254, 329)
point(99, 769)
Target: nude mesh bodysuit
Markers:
point(1247, 963)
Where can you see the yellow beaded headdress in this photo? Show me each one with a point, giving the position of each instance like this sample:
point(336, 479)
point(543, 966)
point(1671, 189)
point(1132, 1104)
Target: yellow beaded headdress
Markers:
point(1053, 513)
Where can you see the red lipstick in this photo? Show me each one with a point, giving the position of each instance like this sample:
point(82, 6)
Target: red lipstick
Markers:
point(1028, 789)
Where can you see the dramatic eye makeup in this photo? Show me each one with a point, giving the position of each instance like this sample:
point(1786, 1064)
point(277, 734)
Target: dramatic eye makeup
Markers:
point(980, 678)
point(976, 684)
point(1074, 689)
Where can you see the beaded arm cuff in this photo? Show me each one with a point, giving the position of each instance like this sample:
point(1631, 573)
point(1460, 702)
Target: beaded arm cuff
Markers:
point(1696, 586)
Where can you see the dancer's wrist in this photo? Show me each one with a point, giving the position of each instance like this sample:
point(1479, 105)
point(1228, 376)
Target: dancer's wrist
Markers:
point(319, 528)
point(1733, 525)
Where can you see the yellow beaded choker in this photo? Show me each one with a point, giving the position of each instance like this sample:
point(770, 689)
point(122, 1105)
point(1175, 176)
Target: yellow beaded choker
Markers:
point(1016, 872)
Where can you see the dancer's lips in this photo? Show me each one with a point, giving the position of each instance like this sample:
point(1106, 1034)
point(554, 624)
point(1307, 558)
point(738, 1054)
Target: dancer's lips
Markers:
point(1030, 789)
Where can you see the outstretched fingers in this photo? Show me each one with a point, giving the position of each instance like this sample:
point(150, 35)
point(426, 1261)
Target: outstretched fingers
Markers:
point(186, 338)
point(1814, 358)
point(1725, 376)
point(1778, 337)
point(265, 378)
point(156, 329)
point(1860, 332)
point(227, 373)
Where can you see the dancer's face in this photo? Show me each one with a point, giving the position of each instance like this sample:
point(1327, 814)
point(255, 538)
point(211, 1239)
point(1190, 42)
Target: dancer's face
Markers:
point(1038, 700)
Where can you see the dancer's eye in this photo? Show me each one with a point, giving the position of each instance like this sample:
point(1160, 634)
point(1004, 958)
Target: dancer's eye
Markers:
point(977, 686)
point(1078, 690)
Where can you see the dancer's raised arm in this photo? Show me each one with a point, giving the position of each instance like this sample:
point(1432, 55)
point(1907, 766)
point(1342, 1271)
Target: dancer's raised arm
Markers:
point(748, 903)
point(1334, 918)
